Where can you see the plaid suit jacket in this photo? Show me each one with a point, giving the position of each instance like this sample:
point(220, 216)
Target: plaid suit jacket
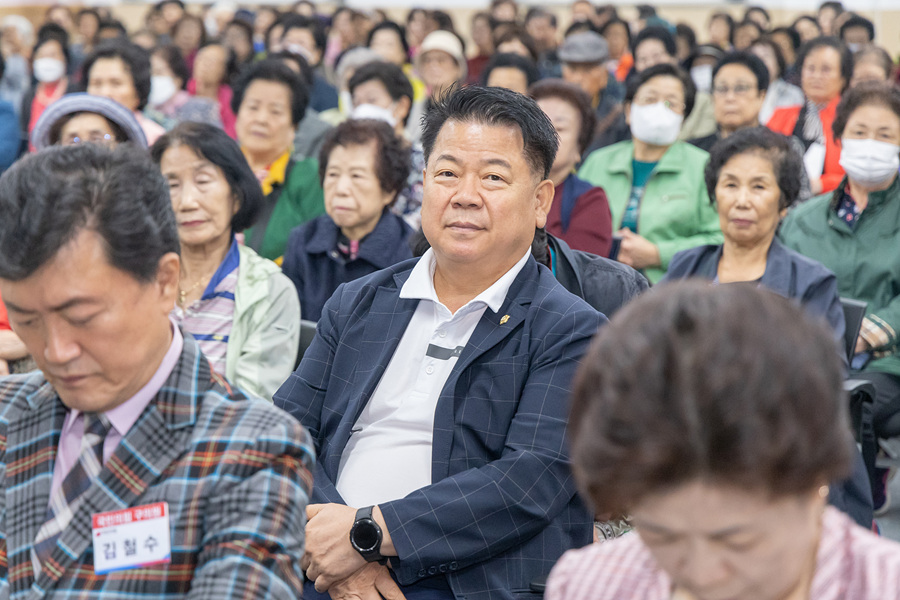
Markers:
point(502, 506)
point(235, 471)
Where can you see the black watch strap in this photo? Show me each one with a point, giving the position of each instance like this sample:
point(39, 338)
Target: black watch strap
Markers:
point(366, 536)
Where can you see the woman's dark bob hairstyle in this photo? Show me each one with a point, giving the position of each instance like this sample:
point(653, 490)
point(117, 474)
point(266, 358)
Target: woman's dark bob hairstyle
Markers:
point(732, 385)
point(761, 141)
point(214, 145)
point(135, 58)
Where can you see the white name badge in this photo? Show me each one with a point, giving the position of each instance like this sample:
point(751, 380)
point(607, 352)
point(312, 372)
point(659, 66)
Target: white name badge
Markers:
point(131, 538)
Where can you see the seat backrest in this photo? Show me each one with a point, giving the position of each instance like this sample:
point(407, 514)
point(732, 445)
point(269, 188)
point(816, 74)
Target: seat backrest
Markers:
point(854, 312)
point(307, 333)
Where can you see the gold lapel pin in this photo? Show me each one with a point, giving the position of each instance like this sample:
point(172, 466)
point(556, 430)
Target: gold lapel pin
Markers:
point(504, 319)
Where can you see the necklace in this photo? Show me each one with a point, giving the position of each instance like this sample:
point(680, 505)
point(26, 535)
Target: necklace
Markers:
point(182, 294)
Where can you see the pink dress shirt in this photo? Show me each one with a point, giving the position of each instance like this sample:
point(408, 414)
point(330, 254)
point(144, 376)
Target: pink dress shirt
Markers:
point(852, 564)
point(121, 417)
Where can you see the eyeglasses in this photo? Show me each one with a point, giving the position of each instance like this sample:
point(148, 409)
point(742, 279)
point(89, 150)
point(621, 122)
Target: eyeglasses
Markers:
point(672, 105)
point(741, 89)
point(98, 138)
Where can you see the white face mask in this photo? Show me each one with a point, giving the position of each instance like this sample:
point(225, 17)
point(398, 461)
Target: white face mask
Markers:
point(655, 124)
point(47, 70)
point(870, 162)
point(370, 111)
point(162, 88)
point(854, 48)
point(299, 51)
point(702, 77)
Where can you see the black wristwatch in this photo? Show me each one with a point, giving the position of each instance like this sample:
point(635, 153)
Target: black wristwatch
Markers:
point(366, 536)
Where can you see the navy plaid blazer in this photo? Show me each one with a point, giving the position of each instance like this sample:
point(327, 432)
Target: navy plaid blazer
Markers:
point(235, 471)
point(502, 506)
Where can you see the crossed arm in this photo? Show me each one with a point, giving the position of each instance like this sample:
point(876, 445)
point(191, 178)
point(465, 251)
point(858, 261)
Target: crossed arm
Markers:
point(488, 509)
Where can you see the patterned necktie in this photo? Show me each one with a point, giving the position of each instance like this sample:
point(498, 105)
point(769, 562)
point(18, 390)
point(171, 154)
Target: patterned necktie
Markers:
point(65, 502)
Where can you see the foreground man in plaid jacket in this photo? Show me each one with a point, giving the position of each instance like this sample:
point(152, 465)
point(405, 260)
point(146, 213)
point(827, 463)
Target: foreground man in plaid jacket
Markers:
point(127, 468)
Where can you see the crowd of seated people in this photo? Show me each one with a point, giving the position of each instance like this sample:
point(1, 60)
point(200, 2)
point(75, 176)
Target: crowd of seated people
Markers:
point(299, 146)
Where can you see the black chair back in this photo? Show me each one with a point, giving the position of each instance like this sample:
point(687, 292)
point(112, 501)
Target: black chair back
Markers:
point(307, 333)
point(854, 312)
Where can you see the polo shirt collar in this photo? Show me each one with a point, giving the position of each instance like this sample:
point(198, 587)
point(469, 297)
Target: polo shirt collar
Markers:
point(420, 284)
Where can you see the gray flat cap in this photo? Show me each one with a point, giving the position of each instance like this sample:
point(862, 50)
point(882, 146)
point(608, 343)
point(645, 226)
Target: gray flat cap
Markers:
point(584, 47)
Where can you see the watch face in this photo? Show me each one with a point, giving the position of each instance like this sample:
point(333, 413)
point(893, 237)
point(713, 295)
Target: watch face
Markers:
point(365, 535)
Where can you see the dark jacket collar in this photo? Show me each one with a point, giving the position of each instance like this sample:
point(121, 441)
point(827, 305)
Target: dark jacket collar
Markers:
point(377, 248)
point(778, 276)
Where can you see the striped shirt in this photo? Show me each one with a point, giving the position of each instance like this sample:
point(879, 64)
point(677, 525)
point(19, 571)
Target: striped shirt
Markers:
point(210, 318)
point(852, 564)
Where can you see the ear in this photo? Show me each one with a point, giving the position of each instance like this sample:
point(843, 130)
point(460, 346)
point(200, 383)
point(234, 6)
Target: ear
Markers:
point(168, 273)
point(236, 205)
point(401, 111)
point(543, 197)
point(626, 108)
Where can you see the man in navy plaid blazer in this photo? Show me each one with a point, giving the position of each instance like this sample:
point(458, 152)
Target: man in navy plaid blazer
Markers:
point(437, 390)
point(125, 412)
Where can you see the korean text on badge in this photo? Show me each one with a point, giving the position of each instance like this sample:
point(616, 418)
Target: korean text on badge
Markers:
point(131, 538)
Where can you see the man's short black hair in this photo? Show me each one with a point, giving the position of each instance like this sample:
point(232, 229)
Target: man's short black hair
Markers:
point(656, 32)
point(278, 72)
point(660, 70)
point(858, 21)
point(749, 60)
point(391, 26)
point(515, 61)
point(495, 107)
point(49, 197)
point(213, 144)
point(136, 59)
point(391, 77)
point(829, 42)
point(295, 21)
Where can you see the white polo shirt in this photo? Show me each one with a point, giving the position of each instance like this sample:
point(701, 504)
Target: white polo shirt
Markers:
point(389, 451)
